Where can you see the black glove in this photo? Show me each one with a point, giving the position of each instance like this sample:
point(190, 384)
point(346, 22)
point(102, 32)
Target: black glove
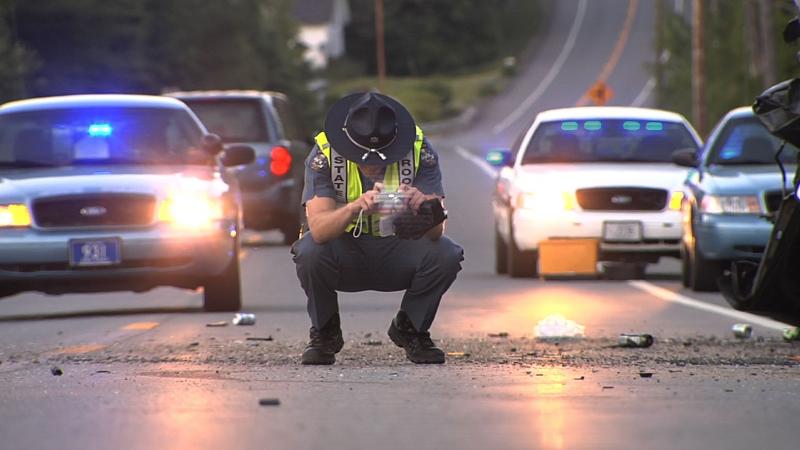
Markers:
point(411, 226)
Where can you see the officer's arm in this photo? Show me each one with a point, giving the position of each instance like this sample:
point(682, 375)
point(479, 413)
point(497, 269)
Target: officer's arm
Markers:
point(327, 222)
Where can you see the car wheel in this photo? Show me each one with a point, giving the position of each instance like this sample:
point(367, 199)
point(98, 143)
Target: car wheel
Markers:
point(223, 292)
point(500, 254)
point(703, 273)
point(521, 263)
point(686, 265)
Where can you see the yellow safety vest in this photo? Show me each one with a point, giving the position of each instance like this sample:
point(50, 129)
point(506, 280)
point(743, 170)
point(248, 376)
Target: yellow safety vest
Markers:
point(347, 180)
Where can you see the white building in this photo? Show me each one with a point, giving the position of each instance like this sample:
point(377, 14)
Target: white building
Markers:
point(322, 24)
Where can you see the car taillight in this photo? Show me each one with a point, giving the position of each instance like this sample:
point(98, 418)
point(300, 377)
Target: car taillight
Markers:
point(281, 161)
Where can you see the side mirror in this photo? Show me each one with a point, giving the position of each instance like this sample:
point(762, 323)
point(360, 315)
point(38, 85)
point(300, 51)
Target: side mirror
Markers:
point(238, 155)
point(212, 144)
point(500, 157)
point(685, 157)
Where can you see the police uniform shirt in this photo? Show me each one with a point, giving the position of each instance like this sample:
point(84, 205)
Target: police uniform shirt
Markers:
point(318, 180)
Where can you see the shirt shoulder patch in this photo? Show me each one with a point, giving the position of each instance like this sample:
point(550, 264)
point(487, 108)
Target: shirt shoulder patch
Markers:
point(319, 163)
point(427, 157)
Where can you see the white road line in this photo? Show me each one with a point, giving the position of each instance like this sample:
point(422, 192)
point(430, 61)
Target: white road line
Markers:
point(475, 159)
point(645, 93)
point(666, 294)
point(551, 75)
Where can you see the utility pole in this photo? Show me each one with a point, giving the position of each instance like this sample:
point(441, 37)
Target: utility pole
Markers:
point(379, 49)
point(698, 69)
point(769, 70)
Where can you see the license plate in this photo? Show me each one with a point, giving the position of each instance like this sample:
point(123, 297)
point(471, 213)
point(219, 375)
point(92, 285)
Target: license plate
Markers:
point(622, 231)
point(94, 252)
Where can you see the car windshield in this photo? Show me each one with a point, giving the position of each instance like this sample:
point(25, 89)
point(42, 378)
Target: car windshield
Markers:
point(747, 141)
point(604, 140)
point(76, 136)
point(234, 120)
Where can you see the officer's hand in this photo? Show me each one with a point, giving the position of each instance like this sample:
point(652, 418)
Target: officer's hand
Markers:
point(366, 202)
point(415, 197)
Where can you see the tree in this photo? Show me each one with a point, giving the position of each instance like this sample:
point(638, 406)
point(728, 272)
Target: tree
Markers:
point(17, 61)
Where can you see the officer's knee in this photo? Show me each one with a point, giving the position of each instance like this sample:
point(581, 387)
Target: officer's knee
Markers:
point(448, 255)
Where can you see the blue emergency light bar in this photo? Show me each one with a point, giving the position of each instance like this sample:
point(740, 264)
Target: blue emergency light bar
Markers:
point(100, 130)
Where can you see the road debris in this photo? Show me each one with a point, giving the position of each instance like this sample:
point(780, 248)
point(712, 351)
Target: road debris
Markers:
point(102, 371)
point(458, 354)
point(193, 344)
point(256, 338)
point(580, 378)
point(635, 340)
point(501, 334)
point(372, 342)
point(55, 370)
point(244, 319)
point(608, 387)
point(791, 334)
point(645, 374)
point(269, 402)
point(221, 323)
point(742, 330)
point(557, 326)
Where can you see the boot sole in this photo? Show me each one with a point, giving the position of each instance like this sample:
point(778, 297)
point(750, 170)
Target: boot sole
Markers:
point(398, 341)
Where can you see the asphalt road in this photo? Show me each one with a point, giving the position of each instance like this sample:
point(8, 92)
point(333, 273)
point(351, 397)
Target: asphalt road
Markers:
point(144, 370)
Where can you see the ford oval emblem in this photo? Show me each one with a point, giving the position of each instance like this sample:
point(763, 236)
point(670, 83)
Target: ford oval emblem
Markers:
point(621, 199)
point(93, 211)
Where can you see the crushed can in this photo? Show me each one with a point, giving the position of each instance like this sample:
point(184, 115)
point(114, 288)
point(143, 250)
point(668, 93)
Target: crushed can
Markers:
point(742, 330)
point(635, 340)
point(791, 334)
point(244, 319)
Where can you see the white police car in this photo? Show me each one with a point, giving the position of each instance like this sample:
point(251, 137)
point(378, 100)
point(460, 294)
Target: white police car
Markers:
point(592, 172)
point(116, 192)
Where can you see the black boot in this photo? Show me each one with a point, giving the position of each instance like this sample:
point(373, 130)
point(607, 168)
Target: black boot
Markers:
point(418, 345)
point(324, 343)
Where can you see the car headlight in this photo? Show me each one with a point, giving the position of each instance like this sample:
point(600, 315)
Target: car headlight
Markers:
point(730, 204)
point(675, 200)
point(14, 215)
point(190, 210)
point(546, 201)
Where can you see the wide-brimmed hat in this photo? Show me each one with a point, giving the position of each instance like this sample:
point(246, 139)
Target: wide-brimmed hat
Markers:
point(370, 128)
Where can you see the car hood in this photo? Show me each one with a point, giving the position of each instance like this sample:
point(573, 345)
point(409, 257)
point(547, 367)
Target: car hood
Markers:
point(748, 179)
point(26, 184)
point(579, 176)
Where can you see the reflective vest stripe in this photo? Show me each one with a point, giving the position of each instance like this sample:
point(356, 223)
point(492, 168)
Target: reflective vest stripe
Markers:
point(347, 179)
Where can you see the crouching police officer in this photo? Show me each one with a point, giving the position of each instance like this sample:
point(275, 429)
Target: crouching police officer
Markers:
point(371, 145)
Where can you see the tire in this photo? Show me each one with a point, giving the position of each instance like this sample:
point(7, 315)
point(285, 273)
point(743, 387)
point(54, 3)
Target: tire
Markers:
point(686, 265)
point(223, 292)
point(521, 263)
point(500, 254)
point(703, 273)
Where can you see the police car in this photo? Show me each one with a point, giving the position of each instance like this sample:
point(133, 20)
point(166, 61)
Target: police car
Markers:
point(592, 172)
point(116, 192)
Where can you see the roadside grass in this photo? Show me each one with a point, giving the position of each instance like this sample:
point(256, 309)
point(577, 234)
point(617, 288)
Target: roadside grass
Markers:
point(434, 97)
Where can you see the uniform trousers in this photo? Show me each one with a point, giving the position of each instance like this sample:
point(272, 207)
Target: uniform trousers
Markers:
point(424, 268)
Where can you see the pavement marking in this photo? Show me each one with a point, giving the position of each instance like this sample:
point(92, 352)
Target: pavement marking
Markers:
point(139, 326)
point(645, 93)
point(478, 161)
point(79, 349)
point(616, 54)
point(551, 75)
point(666, 294)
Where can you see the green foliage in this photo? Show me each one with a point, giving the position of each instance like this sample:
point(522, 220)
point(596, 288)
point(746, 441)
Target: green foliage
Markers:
point(17, 61)
point(424, 37)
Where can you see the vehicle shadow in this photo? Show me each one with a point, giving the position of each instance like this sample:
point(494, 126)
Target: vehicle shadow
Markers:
point(99, 313)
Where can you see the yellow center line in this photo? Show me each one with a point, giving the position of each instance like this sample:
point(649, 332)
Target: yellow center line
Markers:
point(616, 54)
point(138, 326)
point(79, 349)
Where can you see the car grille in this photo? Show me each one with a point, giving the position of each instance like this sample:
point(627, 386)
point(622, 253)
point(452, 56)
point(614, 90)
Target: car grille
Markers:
point(95, 210)
point(622, 199)
point(772, 200)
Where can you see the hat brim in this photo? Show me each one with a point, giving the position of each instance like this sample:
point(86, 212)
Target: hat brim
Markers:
point(402, 144)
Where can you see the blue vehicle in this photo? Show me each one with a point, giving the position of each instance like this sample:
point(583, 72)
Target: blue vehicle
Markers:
point(732, 190)
point(272, 184)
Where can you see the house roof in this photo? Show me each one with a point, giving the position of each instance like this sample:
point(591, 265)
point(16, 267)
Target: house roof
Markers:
point(313, 12)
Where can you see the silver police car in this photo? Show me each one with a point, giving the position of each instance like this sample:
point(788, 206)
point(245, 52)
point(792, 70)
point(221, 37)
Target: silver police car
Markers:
point(117, 192)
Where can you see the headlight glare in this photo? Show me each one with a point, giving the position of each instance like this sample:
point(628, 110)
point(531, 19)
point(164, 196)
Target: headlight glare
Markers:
point(190, 210)
point(15, 215)
point(730, 204)
point(547, 201)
